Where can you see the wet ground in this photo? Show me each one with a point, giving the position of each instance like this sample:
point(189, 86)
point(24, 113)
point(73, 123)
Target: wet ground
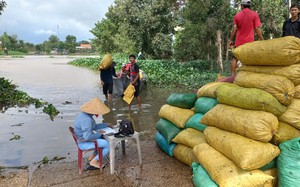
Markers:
point(68, 87)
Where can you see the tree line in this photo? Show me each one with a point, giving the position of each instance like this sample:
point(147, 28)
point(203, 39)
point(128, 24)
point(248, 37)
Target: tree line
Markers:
point(184, 30)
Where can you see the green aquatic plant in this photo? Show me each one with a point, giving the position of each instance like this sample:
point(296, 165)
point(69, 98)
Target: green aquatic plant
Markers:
point(51, 111)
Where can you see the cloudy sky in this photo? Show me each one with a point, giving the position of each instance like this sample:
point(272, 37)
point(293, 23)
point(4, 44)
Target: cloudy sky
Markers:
point(35, 20)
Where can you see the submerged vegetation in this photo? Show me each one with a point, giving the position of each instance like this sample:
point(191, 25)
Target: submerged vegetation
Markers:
point(167, 73)
point(10, 97)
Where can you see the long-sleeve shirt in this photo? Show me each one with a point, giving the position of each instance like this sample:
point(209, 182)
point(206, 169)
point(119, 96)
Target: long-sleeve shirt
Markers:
point(85, 125)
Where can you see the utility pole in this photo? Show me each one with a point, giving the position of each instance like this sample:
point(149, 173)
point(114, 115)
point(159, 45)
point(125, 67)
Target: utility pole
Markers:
point(289, 4)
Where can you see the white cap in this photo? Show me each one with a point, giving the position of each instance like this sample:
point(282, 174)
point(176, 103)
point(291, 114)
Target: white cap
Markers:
point(246, 2)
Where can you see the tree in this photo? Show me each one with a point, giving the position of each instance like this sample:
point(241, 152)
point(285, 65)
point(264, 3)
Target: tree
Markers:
point(70, 43)
point(51, 44)
point(2, 6)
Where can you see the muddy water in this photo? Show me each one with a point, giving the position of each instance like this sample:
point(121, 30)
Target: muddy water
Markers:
point(67, 87)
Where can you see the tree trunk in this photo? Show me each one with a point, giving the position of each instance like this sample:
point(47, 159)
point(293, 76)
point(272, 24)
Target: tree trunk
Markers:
point(219, 44)
point(209, 57)
point(227, 49)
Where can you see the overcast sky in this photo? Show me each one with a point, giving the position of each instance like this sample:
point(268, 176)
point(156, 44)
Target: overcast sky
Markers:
point(35, 20)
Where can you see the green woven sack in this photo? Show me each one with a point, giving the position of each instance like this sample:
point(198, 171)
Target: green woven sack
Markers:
point(182, 100)
point(167, 129)
point(201, 178)
point(249, 98)
point(271, 165)
point(204, 104)
point(163, 144)
point(194, 122)
point(289, 163)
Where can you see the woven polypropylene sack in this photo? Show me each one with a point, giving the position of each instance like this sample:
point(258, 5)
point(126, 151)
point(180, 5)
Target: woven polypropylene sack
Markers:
point(278, 52)
point(184, 154)
point(272, 164)
point(285, 132)
point(249, 98)
point(257, 125)
point(189, 137)
point(167, 129)
point(274, 173)
point(225, 172)
point(291, 72)
point(177, 116)
point(289, 163)
point(204, 104)
point(208, 90)
point(292, 114)
point(163, 144)
point(201, 178)
point(182, 100)
point(280, 87)
point(248, 154)
point(297, 92)
point(194, 122)
point(106, 61)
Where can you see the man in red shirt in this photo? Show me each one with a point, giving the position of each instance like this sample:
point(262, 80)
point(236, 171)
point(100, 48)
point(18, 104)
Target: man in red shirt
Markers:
point(244, 25)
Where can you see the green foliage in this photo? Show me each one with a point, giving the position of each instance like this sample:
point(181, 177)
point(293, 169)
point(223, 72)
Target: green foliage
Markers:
point(12, 43)
point(70, 43)
point(51, 111)
point(166, 73)
point(10, 97)
point(2, 6)
point(13, 53)
point(15, 137)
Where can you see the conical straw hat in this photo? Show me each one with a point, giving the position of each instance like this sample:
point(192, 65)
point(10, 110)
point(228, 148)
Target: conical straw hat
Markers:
point(95, 106)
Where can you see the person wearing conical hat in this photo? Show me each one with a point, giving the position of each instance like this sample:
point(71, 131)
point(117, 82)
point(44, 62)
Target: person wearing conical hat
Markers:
point(86, 129)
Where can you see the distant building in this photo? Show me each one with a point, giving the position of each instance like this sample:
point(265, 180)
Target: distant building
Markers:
point(86, 48)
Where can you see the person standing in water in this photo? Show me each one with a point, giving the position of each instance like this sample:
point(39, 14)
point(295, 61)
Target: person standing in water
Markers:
point(134, 73)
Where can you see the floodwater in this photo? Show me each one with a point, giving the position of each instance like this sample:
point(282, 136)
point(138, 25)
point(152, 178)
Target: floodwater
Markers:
point(67, 88)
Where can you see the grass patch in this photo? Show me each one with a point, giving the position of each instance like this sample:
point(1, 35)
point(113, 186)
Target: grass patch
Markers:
point(166, 73)
point(13, 53)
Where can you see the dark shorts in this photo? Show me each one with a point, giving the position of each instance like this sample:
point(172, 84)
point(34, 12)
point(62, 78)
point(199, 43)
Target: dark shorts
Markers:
point(137, 90)
point(108, 88)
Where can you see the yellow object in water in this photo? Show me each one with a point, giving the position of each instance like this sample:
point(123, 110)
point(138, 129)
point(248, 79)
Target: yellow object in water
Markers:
point(280, 87)
point(285, 132)
point(257, 125)
point(249, 98)
point(291, 72)
point(208, 90)
point(129, 94)
point(292, 114)
point(225, 172)
point(176, 115)
point(106, 61)
point(279, 52)
point(189, 137)
point(184, 154)
point(248, 154)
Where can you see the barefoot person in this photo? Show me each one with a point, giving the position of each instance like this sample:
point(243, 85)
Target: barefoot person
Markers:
point(134, 73)
point(86, 129)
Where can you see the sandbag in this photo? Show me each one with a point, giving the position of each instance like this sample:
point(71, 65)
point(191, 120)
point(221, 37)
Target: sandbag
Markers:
point(182, 100)
point(167, 129)
point(289, 163)
point(297, 92)
point(201, 178)
point(208, 90)
point(257, 125)
point(194, 122)
point(106, 61)
point(163, 144)
point(274, 173)
point(285, 132)
point(280, 87)
point(249, 98)
point(177, 116)
point(279, 52)
point(246, 153)
point(225, 172)
point(272, 164)
point(291, 72)
point(292, 114)
point(189, 137)
point(184, 154)
point(204, 104)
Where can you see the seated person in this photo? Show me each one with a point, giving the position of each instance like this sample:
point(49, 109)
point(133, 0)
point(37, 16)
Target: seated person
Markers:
point(86, 129)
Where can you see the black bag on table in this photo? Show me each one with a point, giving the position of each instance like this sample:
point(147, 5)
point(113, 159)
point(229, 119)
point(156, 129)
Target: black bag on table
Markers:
point(125, 129)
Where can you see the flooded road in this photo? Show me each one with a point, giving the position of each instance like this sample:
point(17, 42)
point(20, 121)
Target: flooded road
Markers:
point(67, 88)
